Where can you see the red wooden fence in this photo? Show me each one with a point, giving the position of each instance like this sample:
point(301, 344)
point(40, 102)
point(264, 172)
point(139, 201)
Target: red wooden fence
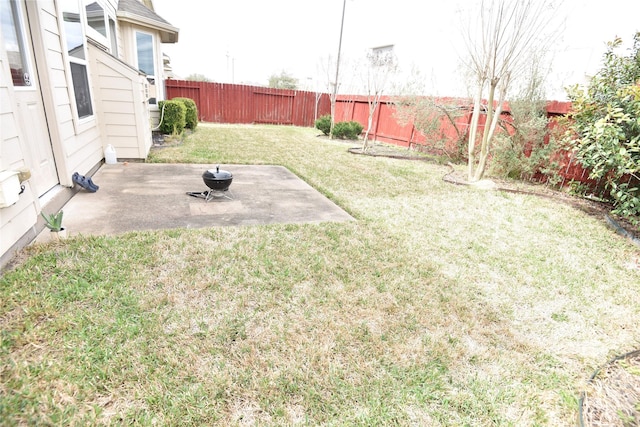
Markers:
point(229, 103)
point(387, 128)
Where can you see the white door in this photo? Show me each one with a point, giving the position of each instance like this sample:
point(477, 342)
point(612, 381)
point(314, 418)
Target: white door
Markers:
point(17, 39)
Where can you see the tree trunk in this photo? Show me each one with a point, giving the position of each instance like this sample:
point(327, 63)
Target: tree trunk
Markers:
point(333, 115)
point(365, 140)
point(493, 116)
point(473, 130)
point(484, 146)
point(372, 111)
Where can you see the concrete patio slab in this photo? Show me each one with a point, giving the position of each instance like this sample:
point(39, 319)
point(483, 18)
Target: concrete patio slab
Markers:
point(143, 196)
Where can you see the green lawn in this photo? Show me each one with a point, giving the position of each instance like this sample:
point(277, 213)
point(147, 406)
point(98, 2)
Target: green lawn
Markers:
point(441, 305)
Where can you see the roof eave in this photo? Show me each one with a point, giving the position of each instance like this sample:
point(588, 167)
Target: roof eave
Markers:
point(168, 33)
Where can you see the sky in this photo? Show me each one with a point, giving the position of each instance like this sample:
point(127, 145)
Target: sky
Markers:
point(247, 41)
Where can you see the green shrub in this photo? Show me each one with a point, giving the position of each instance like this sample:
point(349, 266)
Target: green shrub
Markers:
point(347, 130)
point(356, 128)
point(192, 112)
point(604, 130)
point(342, 130)
point(324, 124)
point(173, 117)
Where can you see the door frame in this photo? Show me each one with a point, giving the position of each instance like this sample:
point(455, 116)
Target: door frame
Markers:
point(33, 10)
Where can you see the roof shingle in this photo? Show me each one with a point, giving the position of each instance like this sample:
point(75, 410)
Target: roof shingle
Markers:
point(137, 8)
point(136, 12)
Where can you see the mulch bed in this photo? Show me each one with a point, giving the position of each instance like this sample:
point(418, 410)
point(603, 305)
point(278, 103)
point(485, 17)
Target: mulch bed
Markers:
point(381, 150)
point(161, 140)
point(612, 397)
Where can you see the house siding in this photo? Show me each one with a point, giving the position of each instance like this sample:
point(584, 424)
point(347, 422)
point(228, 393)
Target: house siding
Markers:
point(76, 144)
point(121, 115)
point(112, 7)
point(122, 108)
point(15, 220)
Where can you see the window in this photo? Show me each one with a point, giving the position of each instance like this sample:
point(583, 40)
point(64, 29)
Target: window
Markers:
point(146, 62)
point(101, 26)
point(74, 36)
point(95, 18)
point(144, 46)
point(81, 90)
point(14, 38)
point(114, 38)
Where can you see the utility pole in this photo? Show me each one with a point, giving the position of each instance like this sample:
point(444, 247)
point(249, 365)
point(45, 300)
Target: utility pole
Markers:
point(231, 67)
point(335, 83)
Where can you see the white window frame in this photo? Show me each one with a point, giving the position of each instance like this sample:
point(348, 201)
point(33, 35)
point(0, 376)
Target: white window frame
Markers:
point(153, 51)
point(113, 35)
point(150, 77)
point(104, 40)
point(80, 123)
point(27, 54)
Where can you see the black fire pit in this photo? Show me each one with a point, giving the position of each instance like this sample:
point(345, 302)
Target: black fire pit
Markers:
point(218, 182)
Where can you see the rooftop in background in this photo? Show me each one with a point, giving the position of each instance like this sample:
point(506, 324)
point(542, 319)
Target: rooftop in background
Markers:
point(135, 12)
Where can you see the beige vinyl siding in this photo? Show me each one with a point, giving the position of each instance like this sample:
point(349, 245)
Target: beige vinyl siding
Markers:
point(76, 144)
point(111, 6)
point(10, 153)
point(15, 220)
point(121, 113)
point(85, 148)
point(155, 114)
point(128, 44)
point(121, 102)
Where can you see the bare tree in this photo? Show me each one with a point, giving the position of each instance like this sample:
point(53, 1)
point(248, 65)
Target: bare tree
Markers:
point(498, 45)
point(382, 64)
point(428, 115)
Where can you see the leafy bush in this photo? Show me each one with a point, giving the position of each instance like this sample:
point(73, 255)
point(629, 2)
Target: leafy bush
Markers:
point(532, 161)
point(529, 151)
point(605, 131)
point(342, 130)
point(324, 124)
point(192, 112)
point(173, 117)
point(347, 130)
